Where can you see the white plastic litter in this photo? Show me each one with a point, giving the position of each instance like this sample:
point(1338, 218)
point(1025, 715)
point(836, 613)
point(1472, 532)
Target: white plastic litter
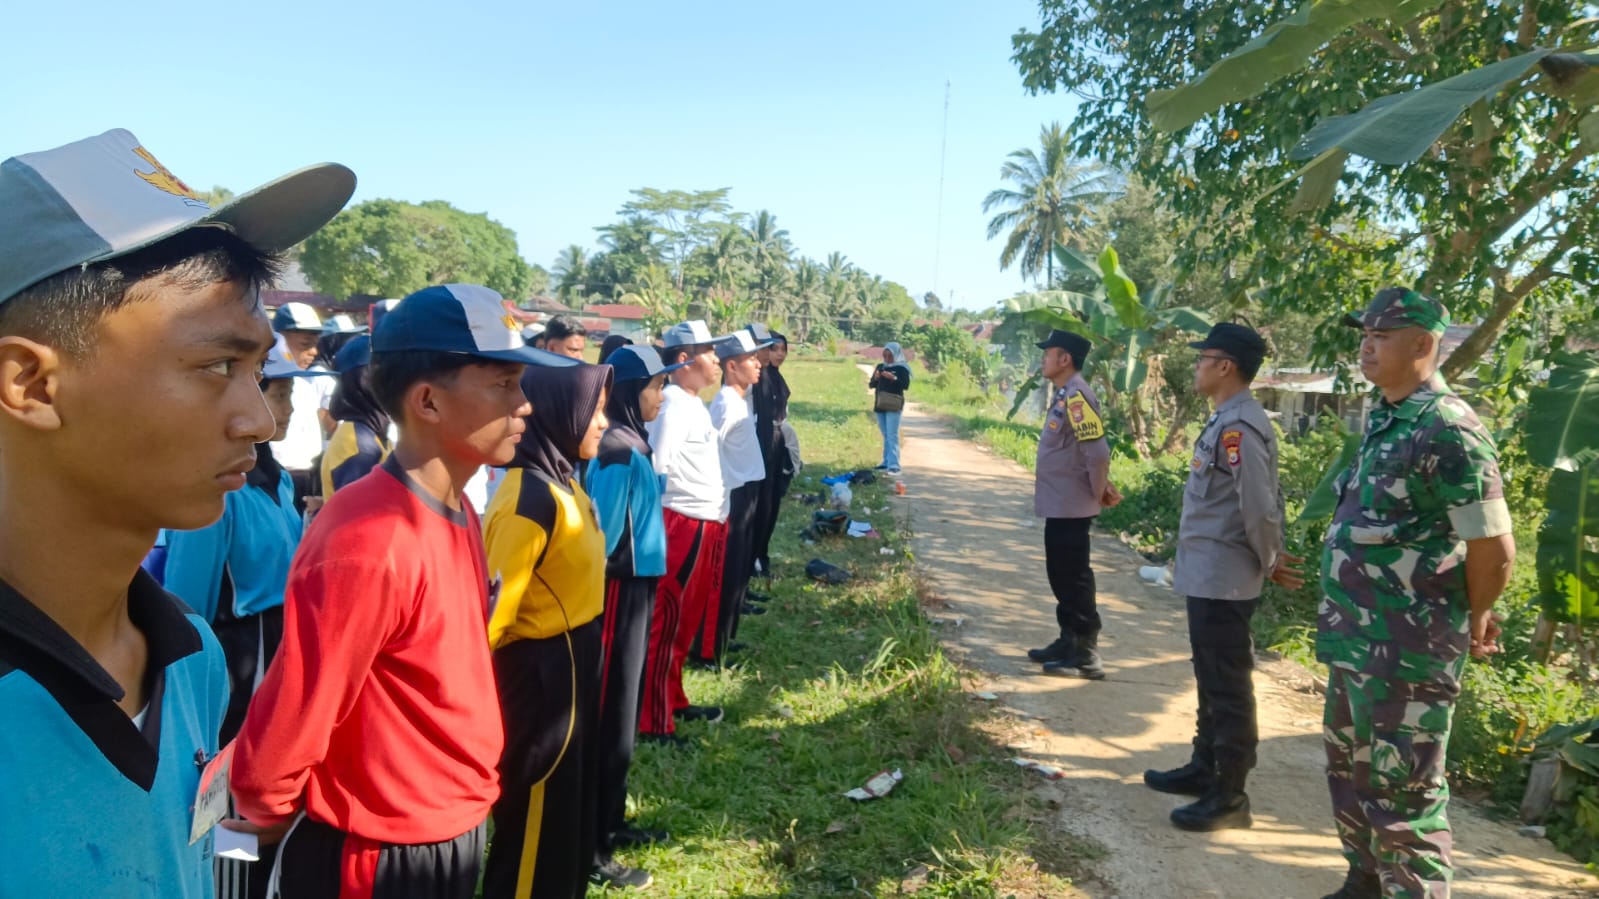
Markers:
point(987, 696)
point(1159, 575)
point(842, 496)
point(1050, 772)
point(879, 786)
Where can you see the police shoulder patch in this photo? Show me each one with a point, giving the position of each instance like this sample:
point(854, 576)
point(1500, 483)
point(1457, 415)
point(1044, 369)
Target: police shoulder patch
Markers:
point(1086, 424)
point(1233, 442)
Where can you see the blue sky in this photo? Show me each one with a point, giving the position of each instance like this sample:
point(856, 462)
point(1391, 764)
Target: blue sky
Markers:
point(827, 113)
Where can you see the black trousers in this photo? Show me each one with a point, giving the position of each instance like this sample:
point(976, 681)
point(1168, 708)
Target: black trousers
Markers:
point(1224, 662)
point(737, 564)
point(248, 645)
point(549, 691)
point(1071, 578)
point(773, 489)
point(629, 605)
point(318, 858)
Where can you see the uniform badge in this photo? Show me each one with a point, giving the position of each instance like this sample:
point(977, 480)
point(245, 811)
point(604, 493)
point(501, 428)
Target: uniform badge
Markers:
point(1233, 442)
point(1085, 421)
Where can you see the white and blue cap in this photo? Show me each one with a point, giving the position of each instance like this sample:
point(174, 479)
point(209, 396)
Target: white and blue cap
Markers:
point(377, 310)
point(343, 324)
point(296, 317)
point(738, 343)
point(353, 355)
point(107, 196)
point(762, 334)
point(459, 318)
point(280, 364)
point(637, 363)
point(690, 333)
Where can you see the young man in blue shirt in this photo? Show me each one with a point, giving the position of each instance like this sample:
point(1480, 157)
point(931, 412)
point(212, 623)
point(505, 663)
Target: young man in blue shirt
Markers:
point(131, 343)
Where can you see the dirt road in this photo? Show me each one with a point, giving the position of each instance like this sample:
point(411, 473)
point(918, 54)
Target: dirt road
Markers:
point(976, 536)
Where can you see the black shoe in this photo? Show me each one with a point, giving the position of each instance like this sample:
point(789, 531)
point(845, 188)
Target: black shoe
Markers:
point(710, 714)
point(630, 837)
point(750, 608)
point(1358, 885)
point(1216, 810)
point(1192, 779)
point(1084, 662)
point(1062, 649)
point(703, 664)
point(612, 873)
point(752, 596)
point(670, 741)
point(738, 647)
point(879, 468)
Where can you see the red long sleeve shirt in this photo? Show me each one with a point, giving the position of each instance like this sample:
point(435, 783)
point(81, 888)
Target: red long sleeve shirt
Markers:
point(379, 714)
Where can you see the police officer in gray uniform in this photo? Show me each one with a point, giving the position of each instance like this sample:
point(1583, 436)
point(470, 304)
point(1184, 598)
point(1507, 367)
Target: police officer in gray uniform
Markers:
point(1071, 486)
point(1230, 540)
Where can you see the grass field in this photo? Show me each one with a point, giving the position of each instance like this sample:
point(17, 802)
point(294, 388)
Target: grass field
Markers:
point(839, 684)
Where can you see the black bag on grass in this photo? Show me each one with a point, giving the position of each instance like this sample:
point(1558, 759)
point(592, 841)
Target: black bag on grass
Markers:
point(826, 572)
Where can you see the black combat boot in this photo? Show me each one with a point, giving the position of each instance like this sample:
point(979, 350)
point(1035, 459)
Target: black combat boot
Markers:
point(1358, 885)
point(1224, 806)
point(1083, 663)
point(1192, 779)
point(1064, 647)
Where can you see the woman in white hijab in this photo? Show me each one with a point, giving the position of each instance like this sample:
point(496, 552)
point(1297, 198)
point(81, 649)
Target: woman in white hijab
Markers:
point(889, 380)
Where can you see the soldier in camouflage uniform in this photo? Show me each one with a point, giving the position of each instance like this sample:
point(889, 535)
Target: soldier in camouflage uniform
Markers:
point(1418, 551)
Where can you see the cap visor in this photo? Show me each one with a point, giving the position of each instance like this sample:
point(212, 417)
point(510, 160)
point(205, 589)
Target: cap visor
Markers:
point(281, 213)
point(283, 375)
point(528, 356)
point(1354, 320)
point(1200, 344)
point(668, 369)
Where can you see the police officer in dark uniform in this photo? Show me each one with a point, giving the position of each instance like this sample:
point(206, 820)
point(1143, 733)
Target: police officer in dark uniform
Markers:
point(1229, 541)
point(1071, 486)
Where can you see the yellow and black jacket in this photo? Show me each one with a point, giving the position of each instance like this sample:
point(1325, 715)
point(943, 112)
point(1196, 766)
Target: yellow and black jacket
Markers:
point(353, 450)
point(546, 558)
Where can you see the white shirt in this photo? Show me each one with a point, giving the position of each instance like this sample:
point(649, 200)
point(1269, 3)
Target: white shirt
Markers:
point(734, 421)
point(688, 457)
point(300, 448)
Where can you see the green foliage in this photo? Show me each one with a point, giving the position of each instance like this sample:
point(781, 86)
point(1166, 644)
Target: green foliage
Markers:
point(941, 346)
point(1562, 433)
point(389, 248)
point(1493, 217)
point(1152, 503)
point(1574, 823)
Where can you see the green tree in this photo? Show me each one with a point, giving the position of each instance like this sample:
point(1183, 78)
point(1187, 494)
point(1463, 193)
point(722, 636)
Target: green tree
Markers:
point(571, 273)
point(538, 280)
point(769, 254)
point(391, 248)
point(1055, 200)
point(807, 287)
point(685, 219)
point(1477, 181)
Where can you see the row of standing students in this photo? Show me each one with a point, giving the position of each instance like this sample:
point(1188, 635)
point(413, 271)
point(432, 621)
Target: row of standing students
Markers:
point(576, 546)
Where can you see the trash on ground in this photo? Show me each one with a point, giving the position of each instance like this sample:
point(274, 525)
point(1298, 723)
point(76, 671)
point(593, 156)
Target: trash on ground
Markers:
point(879, 786)
point(987, 696)
point(863, 529)
point(886, 551)
point(1536, 831)
point(841, 497)
point(1159, 575)
point(826, 572)
point(1050, 772)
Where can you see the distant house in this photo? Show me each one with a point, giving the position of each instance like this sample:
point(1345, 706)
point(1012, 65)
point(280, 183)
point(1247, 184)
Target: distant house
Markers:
point(547, 305)
point(620, 318)
point(1299, 397)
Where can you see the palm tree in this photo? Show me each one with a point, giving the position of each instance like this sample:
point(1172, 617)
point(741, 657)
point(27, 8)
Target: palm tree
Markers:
point(570, 271)
point(1055, 201)
point(769, 252)
point(807, 287)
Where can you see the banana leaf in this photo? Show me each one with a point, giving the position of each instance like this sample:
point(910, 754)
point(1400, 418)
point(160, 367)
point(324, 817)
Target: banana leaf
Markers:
point(1134, 368)
point(1184, 318)
point(1563, 415)
point(1398, 128)
point(1322, 501)
point(1023, 391)
point(1568, 545)
point(1281, 49)
point(1121, 291)
point(1075, 262)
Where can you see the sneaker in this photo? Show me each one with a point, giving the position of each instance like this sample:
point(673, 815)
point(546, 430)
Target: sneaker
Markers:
point(752, 596)
point(710, 714)
point(612, 873)
point(879, 468)
point(736, 646)
point(630, 837)
point(750, 608)
point(670, 741)
point(892, 472)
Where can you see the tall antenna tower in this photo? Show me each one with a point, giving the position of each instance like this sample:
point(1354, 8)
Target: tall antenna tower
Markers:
point(943, 150)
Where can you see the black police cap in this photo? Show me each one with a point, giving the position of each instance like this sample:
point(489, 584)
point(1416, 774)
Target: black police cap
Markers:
point(1241, 342)
point(1076, 344)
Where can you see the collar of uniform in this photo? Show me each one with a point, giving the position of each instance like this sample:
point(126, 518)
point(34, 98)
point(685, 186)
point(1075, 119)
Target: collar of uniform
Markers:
point(1419, 399)
point(456, 517)
point(30, 641)
point(1237, 399)
point(167, 632)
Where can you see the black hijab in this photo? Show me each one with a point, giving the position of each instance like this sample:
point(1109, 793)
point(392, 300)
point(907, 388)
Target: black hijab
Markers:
point(627, 419)
point(353, 401)
point(611, 344)
point(564, 401)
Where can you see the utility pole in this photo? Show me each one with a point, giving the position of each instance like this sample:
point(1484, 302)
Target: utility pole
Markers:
point(943, 150)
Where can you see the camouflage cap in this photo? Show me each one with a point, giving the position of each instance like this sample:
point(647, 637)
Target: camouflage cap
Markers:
point(1399, 307)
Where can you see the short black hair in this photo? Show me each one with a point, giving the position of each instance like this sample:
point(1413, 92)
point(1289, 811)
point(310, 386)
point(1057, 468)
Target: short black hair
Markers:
point(392, 373)
point(1248, 368)
point(562, 327)
point(329, 344)
point(674, 354)
point(1078, 357)
point(64, 309)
